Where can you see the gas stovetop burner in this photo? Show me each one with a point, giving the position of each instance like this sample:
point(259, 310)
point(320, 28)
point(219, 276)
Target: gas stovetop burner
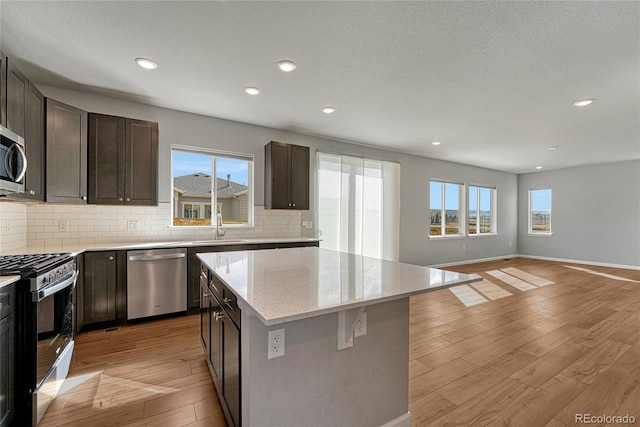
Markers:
point(26, 264)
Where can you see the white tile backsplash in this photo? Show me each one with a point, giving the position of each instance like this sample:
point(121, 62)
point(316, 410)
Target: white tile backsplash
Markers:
point(38, 225)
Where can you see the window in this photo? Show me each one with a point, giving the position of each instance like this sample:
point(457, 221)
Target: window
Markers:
point(359, 205)
point(444, 205)
point(195, 191)
point(481, 218)
point(540, 211)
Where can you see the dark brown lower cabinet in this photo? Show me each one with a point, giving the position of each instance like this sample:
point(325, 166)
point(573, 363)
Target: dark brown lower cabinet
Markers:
point(104, 287)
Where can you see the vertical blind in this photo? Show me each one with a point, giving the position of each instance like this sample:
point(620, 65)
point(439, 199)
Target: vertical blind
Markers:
point(359, 205)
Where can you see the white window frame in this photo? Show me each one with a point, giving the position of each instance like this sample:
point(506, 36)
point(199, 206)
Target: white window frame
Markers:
point(214, 194)
point(494, 214)
point(530, 231)
point(461, 209)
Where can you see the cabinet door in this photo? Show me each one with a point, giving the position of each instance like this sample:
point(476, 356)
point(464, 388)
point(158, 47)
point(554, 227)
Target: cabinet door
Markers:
point(3, 89)
point(141, 160)
point(66, 137)
point(231, 370)
point(277, 180)
point(106, 159)
point(99, 287)
point(299, 177)
point(17, 88)
point(7, 369)
point(34, 144)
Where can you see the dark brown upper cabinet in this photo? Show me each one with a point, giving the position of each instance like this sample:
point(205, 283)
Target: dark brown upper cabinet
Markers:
point(286, 176)
point(17, 89)
point(123, 161)
point(66, 147)
point(3, 90)
point(34, 140)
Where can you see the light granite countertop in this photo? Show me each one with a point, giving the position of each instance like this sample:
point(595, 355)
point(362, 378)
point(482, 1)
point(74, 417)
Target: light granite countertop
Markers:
point(7, 280)
point(75, 249)
point(298, 283)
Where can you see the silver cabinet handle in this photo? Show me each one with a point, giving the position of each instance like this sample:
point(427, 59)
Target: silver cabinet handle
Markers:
point(128, 199)
point(120, 199)
point(218, 315)
point(84, 197)
point(294, 205)
point(110, 258)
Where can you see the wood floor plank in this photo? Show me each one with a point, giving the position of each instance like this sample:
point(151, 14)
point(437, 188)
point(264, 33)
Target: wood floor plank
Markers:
point(434, 379)
point(488, 406)
point(604, 396)
point(595, 361)
point(429, 408)
point(548, 366)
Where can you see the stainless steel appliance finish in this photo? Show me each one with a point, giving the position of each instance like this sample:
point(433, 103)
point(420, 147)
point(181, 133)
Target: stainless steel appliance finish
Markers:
point(156, 282)
point(13, 162)
point(45, 319)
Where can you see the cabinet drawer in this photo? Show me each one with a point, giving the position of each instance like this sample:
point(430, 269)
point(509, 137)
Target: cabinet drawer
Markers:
point(7, 300)
point(230, 305)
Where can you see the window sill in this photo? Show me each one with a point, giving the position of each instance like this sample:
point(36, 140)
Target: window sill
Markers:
point(210, 227)
point(540, 234)
point(473, 236)
point(449, 237)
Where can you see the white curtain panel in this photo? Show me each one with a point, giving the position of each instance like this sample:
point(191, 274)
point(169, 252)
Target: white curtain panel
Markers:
point(359, 205)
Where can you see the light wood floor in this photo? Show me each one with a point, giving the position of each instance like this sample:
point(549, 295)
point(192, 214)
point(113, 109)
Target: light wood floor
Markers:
point(532, 345)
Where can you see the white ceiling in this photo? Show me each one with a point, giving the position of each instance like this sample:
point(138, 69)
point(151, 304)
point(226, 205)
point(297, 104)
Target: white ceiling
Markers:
point(494, 81)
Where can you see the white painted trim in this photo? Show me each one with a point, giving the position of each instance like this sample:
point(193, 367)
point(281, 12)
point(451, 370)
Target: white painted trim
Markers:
point(473, 261)
point(403, 420)
point(576, 261)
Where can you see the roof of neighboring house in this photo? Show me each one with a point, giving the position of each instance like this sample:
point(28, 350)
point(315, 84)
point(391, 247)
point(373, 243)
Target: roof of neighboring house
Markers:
point(199, 185)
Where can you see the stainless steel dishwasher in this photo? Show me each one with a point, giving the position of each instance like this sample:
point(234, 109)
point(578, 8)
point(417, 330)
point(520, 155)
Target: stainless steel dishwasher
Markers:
point(156, 282)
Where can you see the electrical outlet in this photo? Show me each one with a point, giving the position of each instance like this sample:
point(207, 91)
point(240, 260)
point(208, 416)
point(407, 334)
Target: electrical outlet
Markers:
point(464, 247)
point(132, 225)
point(8, 226)
point(289, 224)
point(63, 226)
point(307, 224)
point(361, 325)
point(276, 344)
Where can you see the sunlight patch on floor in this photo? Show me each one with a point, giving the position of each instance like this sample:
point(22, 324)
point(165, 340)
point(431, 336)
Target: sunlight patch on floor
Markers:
point(513, 281)
point(528, 277)
point(467, 295)
point(491, 290)
point(598, 273)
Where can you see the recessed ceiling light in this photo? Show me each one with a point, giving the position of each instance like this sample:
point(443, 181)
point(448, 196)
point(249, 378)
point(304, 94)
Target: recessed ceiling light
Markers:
point(553, 147)
point(436, 143)
point(328, 110)
point(286, 66)
point(252, 90)
point(538, 167)
point(147, 64)
point(583, 103)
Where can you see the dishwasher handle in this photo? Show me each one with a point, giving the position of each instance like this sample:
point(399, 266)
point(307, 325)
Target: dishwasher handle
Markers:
point(156, 257)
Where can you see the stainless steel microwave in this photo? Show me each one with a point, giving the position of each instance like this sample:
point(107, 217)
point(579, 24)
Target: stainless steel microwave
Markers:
point(13, 162)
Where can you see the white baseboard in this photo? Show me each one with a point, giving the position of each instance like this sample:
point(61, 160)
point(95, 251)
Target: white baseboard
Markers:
point(577, 261)
point(572, 261)
point(403, 420)
point(474, 261)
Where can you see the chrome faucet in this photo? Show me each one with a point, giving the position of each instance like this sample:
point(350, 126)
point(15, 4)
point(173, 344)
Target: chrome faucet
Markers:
point(219, 230)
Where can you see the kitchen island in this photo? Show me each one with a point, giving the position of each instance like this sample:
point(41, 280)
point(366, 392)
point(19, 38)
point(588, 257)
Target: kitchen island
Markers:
point(341, 325)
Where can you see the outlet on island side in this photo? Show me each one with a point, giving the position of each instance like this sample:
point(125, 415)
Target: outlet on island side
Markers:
point(275, 344)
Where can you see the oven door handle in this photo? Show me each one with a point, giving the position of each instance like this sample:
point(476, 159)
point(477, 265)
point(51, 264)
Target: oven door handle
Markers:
point(56, 288)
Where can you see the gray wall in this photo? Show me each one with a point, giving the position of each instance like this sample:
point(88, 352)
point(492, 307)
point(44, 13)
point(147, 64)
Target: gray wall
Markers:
point(415, 246)
point(595, 214)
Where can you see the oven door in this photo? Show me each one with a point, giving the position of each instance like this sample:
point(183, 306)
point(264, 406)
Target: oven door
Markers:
point(55, 323)
point(13, 161)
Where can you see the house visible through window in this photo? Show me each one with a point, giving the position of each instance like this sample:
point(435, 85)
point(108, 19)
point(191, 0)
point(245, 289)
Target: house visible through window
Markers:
point(444, 208)
point(195, 190)
point(481, 210)
point(540, 211)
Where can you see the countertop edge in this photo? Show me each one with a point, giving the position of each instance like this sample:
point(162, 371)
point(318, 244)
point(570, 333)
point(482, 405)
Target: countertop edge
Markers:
point(122, 246)
point(7, 280)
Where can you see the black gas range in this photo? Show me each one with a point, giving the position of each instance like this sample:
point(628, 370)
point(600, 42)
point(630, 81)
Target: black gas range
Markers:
point(45, 325)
